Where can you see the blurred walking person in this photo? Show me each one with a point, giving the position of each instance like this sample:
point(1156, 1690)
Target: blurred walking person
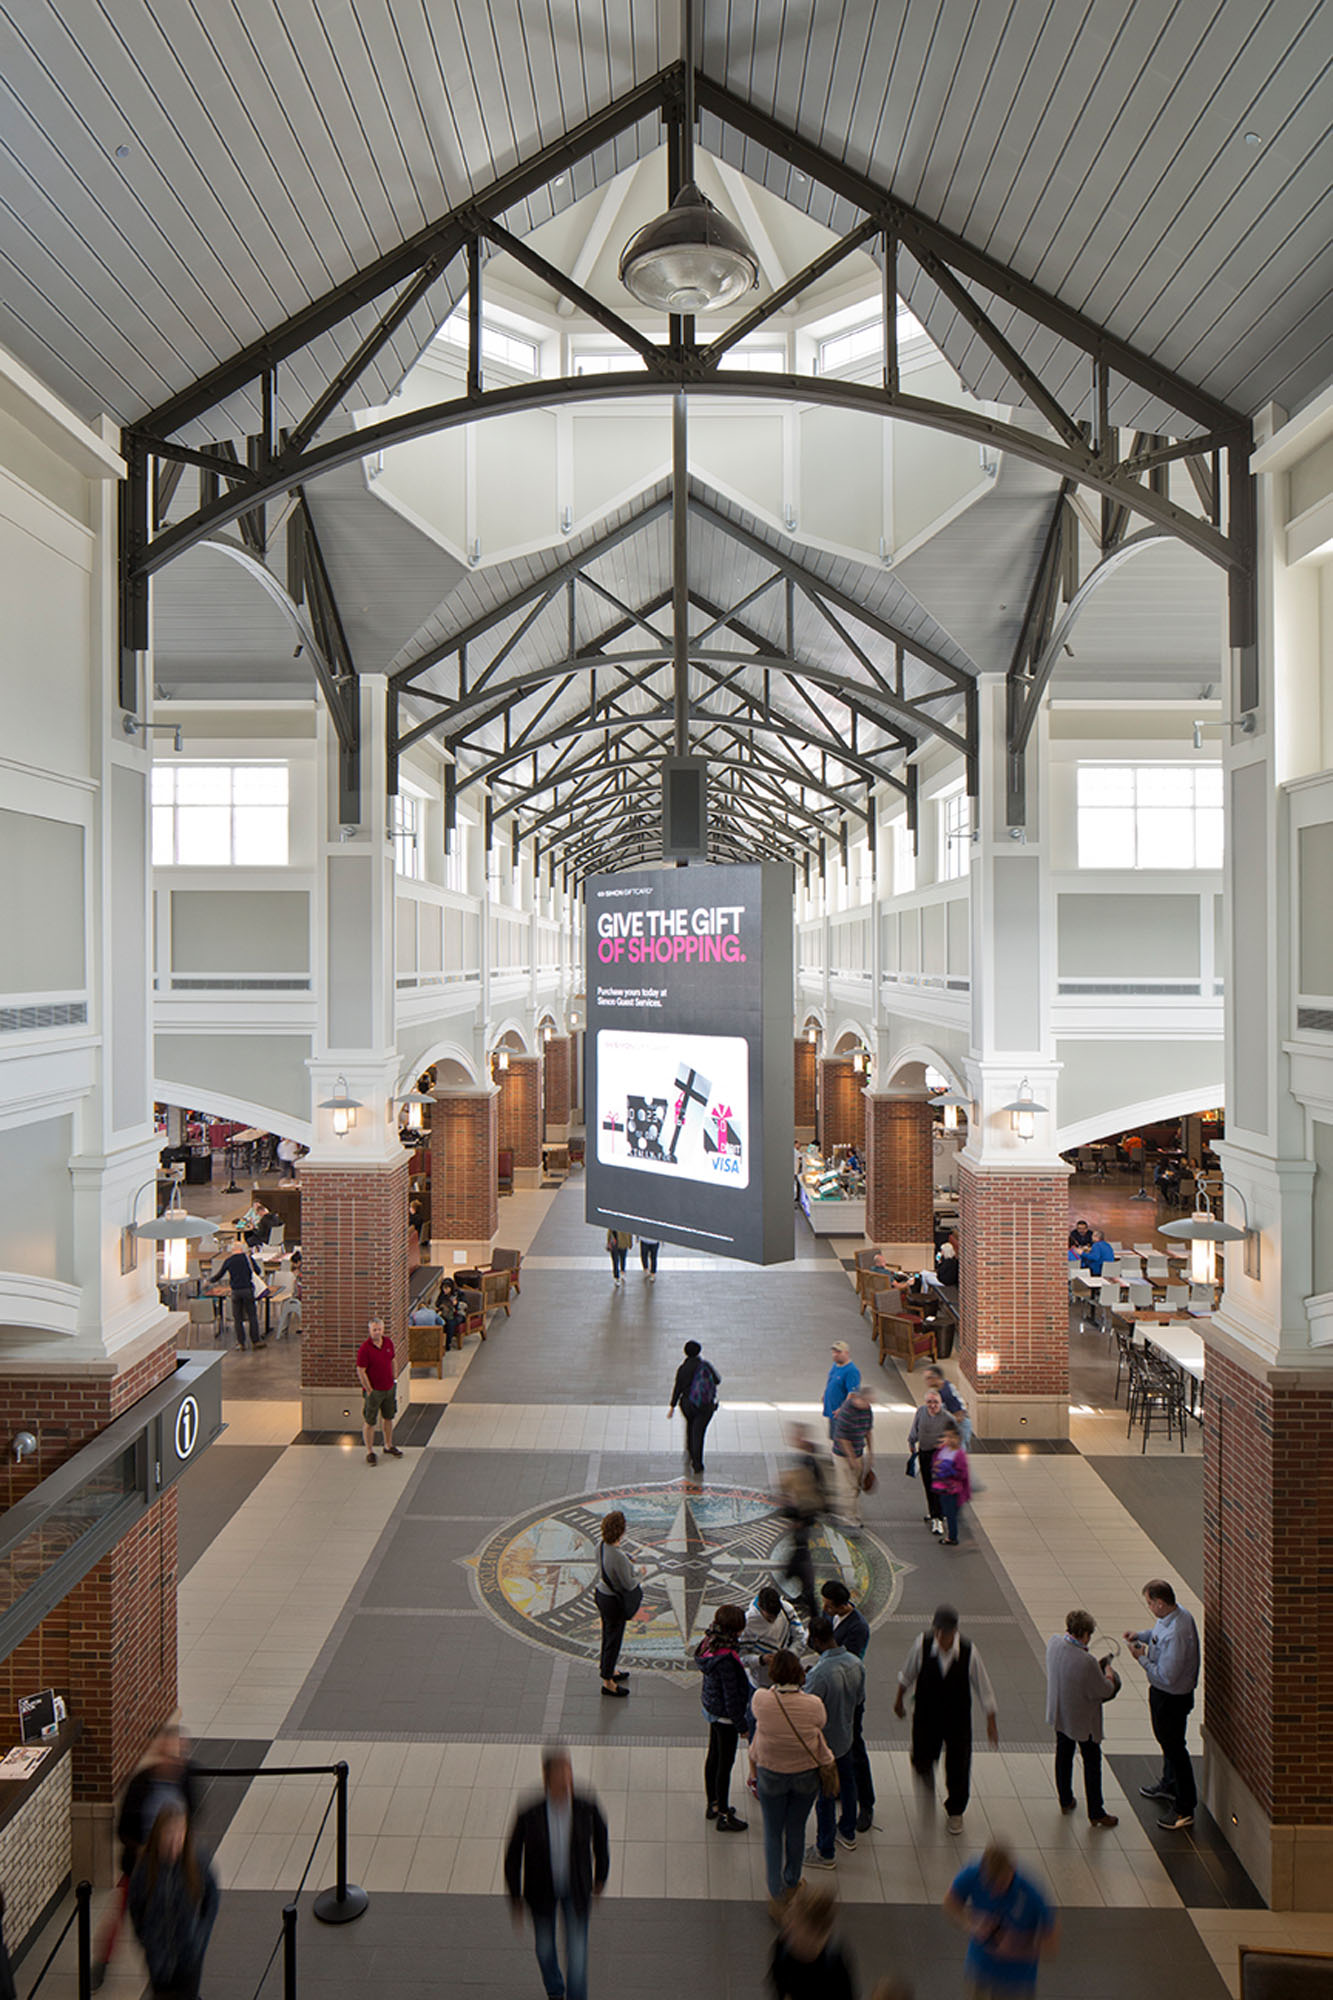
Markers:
point(557, 1860)
point(173, 1905)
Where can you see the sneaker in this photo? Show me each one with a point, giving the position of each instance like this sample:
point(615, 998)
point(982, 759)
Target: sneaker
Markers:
point(371, 1458)
point(847, 1840)
point(727, 1822)
point(1156, 1792)
point(814, 1859)
point(1176, 1822)
point(865, 1819)
point(392, 1451)
point(1106, 1821)
point(954, 1822)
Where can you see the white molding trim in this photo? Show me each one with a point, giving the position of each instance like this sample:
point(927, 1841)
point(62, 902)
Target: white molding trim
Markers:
point(39, 1302)
point(1122, 1117)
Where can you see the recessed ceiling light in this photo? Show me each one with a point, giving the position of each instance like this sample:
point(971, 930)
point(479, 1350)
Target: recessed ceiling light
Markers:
point(560, 180)
point(1253, 139)
point(122, 152)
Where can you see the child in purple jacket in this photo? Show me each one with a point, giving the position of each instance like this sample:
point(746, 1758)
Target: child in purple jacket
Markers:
point(952, 1481)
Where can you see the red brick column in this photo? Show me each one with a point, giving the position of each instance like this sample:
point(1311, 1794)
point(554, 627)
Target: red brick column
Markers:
point(1268, 1623)
point(900, 1170)
point(806, 1060)
point(1013, 1339)
point(520, 1110)
point(464, 1199)
point(555, 1078)
point(353, 1266)
point(110, 1646)
point(842, 1104)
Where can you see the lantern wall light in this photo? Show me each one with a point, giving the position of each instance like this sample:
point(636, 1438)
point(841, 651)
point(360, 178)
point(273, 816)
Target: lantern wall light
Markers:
point(1023, 1111)
point(343, 1106)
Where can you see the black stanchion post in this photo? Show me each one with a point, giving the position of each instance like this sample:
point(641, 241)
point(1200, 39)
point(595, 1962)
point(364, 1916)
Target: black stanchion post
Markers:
point(345, 1901)
point(289, 1915)
point(83, 1896)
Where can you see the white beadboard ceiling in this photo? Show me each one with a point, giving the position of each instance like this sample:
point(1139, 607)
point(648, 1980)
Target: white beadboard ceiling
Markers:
point(1165, 168)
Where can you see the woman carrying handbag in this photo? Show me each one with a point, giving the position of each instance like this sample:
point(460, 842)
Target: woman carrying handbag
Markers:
point(790, 1761)
point(619, 1594)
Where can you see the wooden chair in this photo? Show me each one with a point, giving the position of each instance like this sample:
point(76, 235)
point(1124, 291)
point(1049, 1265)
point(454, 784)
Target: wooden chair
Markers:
point(576, 1152)
point(495, 1290)
point(425, 1347)
point(907, 1339)
point(504, 1170)
point(476, 1312)
point(872, 1286)
point(511, 1261)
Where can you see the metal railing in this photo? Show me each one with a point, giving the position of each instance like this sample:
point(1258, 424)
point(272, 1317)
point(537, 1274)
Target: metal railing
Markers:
point(82, 1915)
point(345, 1900)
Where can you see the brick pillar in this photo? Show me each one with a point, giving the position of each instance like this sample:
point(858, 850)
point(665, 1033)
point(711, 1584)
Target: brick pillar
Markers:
point(806, 1060)
point(900, 1194)
point(464, 1200)
point(555, 1080)
point(1268, 1622)
point(842, 1104)
point(353, 1265)
point(1013, 1339)
point(110, 1645)
point(520, 1116)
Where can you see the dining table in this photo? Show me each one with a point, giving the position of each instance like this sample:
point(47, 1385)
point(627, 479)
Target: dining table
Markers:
point(1181, 1342)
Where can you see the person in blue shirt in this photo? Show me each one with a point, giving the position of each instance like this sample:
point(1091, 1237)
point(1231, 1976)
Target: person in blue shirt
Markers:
point(1012, 1925)
point(843, 1377)
point(1169, 1656)
point(1097, 1255)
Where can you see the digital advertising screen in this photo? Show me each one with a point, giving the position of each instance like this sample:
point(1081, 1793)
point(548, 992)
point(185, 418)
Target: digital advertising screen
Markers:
point(689, 1057)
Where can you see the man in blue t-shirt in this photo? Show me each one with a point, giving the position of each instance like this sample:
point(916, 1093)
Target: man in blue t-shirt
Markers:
point(843, 1377)
point(1012, 1925)
point(1097, 1255)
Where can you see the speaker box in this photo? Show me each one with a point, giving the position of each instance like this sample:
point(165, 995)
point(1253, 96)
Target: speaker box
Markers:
point(684, 808)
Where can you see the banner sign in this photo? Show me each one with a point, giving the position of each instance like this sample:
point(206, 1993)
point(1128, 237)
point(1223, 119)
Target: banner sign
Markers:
point(689, 1057)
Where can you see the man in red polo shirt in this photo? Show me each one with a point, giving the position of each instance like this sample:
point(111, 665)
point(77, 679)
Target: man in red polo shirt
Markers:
point(375, 1373)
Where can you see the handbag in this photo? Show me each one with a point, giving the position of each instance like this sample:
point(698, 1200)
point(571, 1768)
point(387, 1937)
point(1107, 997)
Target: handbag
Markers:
point(830, 1784)
point(869, 1480)
point(630, 1599)
point(910, 1468)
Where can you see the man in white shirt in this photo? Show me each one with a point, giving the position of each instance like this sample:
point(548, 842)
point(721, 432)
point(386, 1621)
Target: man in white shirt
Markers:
point(946, 1671)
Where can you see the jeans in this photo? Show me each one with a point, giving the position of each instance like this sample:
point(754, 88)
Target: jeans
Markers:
point(1169, 1713)
point(1092, 1773)
point(648, 1256)
point(785, 1799)
point(619, 1259)
point(949, 1508)
point(837, 1814)
point(929, 1737)
point(245, 1312)
point(865, 1784)
point(574, 1984)
point(613, 1616)
point(722, 1739)
point(696, 1426)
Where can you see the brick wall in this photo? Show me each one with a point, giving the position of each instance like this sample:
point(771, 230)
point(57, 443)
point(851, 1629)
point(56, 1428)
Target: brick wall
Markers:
point(520, 1110)
point(555, 1064)
point(353, 1264)
point(1268, 1587)
point(64, 1411)
point(806, 1060)
point(1014, 1282)
point(842, 1105)
point(900, 1193)
point(464, 1199)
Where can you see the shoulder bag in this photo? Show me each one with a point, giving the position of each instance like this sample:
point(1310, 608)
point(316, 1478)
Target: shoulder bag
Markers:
point(630, 1599)
point(830, 1784)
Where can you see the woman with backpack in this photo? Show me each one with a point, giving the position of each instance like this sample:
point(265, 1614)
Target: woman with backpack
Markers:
point(726, 1704)
point(695, 1393)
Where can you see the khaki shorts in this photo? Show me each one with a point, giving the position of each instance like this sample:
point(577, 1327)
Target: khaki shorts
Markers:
point(379, 1405)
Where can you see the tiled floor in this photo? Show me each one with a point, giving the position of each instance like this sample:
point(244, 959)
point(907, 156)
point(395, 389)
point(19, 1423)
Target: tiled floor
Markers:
point(333, 1611)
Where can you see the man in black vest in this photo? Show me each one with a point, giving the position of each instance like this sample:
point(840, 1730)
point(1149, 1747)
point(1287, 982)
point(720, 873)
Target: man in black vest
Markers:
point(946, 1671)
point(558, 1858)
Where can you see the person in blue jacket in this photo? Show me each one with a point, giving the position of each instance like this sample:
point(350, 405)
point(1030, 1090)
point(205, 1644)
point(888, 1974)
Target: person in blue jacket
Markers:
point(726, 1704)
point(1097, 1255)
point(843, 1377)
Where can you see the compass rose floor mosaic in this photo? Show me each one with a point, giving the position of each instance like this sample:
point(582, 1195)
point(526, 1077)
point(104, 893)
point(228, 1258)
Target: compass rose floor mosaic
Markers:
point(430, 1621)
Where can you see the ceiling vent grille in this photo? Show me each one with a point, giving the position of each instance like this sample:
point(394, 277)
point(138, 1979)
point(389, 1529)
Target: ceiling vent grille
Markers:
point(1318, 1018)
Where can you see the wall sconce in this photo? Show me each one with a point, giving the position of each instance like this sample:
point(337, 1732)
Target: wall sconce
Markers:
point(502, 1058)
point(860, 1061)
point(1023, 1111)
point(812, 1036)
point(174, 1229)
point(343, 1106)
point(25, 1444)
point(1203, 1231)
point(548, 1033)
point(954, 1102)
point(416, 1101)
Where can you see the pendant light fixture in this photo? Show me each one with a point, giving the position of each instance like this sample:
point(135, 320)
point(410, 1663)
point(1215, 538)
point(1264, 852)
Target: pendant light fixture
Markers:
point(692, 259)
